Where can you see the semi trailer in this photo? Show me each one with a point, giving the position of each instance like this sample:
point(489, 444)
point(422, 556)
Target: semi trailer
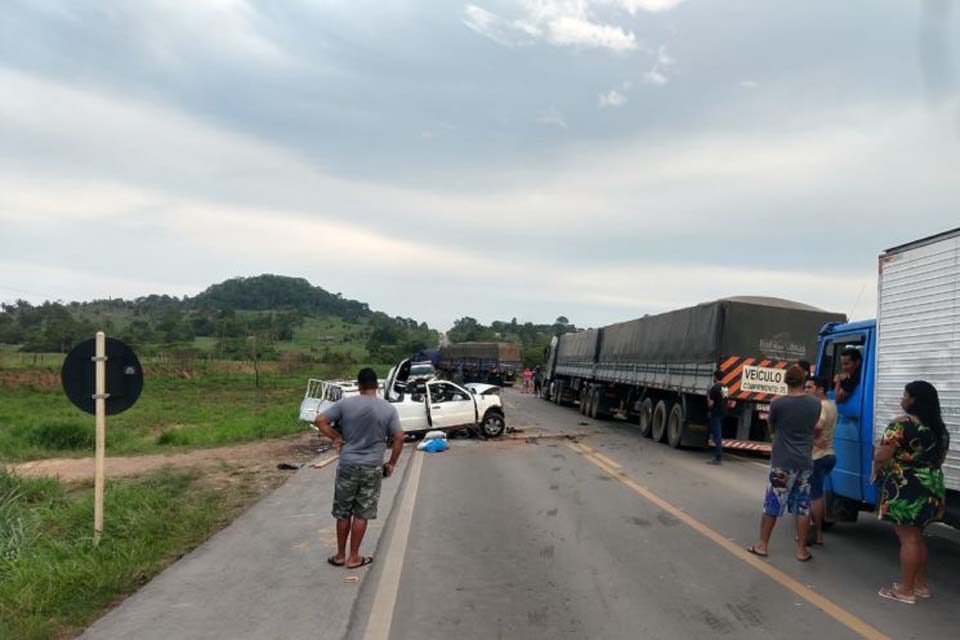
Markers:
point(488, 362)
point(656, 370)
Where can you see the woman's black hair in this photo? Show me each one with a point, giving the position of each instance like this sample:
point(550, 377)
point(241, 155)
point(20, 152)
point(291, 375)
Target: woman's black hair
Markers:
point(926, 407)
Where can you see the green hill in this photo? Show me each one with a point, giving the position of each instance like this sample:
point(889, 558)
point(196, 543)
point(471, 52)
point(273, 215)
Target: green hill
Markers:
point(243, 318)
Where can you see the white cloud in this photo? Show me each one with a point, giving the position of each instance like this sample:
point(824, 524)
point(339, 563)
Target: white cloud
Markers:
point(613, 99)
point(552, 118)
point(655, 77)
point(749, 84)
point(650, 6)
point(563, 23)
point(501, 31)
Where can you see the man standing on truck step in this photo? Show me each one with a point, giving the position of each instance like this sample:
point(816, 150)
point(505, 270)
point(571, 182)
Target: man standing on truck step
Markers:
point(845, 382)
point(717, 410)
point(366, 421)
point(793, 419)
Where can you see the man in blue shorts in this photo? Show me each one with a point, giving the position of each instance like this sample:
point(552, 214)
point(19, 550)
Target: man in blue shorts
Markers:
point(793, 419)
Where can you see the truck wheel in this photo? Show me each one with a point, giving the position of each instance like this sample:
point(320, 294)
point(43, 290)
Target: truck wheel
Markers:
point(660, 415)
point(583, 401)
point(558, 393)
point(676, 425)
point(493, 425)
point(595, 403)
point(646, 417)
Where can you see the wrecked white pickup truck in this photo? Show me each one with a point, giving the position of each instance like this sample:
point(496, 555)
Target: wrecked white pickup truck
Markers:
point(423, 405)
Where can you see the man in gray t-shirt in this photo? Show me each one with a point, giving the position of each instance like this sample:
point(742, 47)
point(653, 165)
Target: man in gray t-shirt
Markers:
point(366, 422)
point(792, 420)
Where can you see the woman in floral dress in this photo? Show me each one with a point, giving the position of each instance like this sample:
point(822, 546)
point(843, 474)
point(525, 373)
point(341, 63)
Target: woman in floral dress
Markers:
point(908, 461)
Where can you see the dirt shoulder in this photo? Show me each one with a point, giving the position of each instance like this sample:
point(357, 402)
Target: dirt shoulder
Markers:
point(263, 454)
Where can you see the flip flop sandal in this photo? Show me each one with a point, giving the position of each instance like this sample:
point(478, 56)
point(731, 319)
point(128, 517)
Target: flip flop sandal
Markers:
point(920, 592)
point(807, 559)
point(333, 560)
point(363, 562)
point(892, 594)
point(753, 550)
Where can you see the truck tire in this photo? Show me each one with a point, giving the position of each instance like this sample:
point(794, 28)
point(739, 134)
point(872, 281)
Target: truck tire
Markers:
point(493, 425)
point(583, 401)
point(676, 425)
point(595, 403)
point(646, 417)
point(660, 415)
point(557, 393)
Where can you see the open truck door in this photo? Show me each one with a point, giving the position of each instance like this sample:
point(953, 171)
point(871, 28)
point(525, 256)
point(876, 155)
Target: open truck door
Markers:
point(450, 405)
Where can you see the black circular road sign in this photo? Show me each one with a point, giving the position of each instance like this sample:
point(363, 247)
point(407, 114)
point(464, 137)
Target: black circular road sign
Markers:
point(124, 376)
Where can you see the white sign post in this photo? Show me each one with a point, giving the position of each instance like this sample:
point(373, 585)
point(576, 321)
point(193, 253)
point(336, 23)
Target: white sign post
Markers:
point(101, 417)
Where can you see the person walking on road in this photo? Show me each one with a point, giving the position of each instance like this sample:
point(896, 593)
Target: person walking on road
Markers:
point(824, 456)
point(793, 419)
point(527, 377)
point(537, 381)
point(366, 422)
point(717, 408)
point(909, 463)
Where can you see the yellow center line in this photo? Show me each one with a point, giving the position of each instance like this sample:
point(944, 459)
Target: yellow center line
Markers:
point(836, 612)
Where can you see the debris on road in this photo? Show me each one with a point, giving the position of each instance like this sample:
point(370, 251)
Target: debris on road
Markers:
point(286, 466)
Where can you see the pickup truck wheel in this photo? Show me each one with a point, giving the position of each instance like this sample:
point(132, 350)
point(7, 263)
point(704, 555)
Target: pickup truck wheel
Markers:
point(646, 417)
point(660, 415)
point(676, 425)
point(493, 425)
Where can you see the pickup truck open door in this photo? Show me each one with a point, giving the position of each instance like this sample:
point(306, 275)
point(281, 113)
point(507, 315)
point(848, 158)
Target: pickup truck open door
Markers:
point(450, 405)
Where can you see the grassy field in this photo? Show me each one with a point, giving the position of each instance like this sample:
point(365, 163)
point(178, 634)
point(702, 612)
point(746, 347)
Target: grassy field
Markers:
point(214, 406)
point(53, 581)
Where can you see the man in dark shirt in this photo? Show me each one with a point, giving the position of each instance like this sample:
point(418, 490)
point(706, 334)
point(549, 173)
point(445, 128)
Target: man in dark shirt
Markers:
point(793, 419)
point(845, 382)
point(716, 412)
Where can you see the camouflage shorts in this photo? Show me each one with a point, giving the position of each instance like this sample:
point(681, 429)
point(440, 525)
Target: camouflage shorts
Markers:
point(357, 492)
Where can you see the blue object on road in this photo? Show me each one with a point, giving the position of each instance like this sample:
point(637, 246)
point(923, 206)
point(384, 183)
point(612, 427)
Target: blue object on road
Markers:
point(436, 446)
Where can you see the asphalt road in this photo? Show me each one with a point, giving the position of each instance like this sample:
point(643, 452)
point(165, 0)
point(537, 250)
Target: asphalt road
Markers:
point(619, 537)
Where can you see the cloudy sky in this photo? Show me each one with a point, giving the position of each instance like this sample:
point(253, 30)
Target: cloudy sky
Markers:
point(595, 158)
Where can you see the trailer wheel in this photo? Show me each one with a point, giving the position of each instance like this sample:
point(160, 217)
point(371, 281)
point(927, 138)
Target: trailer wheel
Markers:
point(583, 401)
point(595, 403)
point(660, 415)
point(676, 425)
point(557, 393)
point(646, 417)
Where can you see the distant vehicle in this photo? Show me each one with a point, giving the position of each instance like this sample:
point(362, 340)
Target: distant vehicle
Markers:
point(424, 404)
point(422, 371)
point(656, 370)
point(913, 338)
point(495, 363)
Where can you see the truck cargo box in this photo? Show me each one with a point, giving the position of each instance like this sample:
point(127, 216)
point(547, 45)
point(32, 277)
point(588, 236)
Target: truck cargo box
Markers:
point(918, 324)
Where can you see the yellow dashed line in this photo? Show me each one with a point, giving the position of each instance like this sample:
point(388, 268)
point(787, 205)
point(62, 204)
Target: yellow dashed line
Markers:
point(834, 611)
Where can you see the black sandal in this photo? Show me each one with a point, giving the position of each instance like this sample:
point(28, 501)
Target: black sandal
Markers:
point(363, 562)
point(333, 560)
point(753, 550)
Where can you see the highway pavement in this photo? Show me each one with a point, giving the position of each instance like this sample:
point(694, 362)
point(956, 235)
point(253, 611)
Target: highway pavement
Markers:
point(570, 528)
point(610, 535)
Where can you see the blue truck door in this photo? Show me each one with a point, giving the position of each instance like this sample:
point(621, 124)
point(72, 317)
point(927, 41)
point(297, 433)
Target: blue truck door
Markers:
point(846, 479)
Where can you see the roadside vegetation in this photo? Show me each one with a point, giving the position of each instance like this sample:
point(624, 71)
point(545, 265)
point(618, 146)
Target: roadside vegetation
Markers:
point(54, 582)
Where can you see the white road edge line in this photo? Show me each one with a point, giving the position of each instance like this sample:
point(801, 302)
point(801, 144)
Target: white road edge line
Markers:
point(385, 599)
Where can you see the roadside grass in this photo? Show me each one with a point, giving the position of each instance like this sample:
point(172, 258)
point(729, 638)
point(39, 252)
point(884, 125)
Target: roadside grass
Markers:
point(54, 582)
point(174, 412)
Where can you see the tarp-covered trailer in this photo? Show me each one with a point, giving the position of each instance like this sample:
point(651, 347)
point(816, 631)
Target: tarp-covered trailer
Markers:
point(656, 370)
point(489, 362)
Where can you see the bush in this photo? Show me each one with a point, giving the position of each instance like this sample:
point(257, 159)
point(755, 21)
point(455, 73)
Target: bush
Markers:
point(68, 436)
